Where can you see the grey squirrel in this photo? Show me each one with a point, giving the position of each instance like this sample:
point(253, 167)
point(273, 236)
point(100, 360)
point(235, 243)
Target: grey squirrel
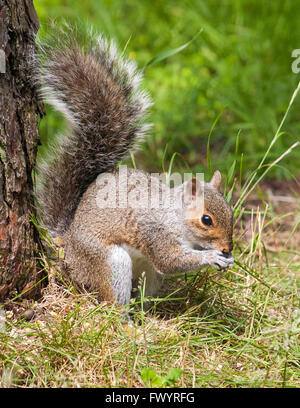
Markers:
point(106, 249)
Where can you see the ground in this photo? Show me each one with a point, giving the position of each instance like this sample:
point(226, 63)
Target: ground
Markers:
point(238, 328)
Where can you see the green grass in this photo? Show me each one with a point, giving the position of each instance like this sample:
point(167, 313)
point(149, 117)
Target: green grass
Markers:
point(219, 330)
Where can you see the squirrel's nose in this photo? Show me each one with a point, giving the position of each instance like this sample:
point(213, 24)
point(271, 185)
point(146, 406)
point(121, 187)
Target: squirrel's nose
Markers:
point(226, 253)
point(227, 249)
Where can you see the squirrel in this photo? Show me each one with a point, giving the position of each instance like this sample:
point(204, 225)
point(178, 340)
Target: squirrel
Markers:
point(106, 249)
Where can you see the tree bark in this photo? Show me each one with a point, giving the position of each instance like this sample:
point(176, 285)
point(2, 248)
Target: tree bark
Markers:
point(19, 137)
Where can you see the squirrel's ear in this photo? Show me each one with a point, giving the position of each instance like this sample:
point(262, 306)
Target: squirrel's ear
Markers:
point(216, 180)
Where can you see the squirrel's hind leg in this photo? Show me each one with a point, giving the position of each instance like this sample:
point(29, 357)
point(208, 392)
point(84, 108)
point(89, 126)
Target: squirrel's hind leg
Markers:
point(94, 267)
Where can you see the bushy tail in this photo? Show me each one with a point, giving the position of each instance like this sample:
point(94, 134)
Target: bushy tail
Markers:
point(99, 94)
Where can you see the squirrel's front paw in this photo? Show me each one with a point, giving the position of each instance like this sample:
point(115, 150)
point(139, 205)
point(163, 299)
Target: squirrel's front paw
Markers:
point(219, 260)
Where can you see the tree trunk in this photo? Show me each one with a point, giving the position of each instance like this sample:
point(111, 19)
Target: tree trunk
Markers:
point(19, 137)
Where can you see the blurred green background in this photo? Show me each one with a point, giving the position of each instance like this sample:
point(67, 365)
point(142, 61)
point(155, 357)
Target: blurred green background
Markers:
point(237, 68)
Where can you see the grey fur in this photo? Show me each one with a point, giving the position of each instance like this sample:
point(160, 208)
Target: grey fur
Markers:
point(159, 242)
point(99, 94)
point(108, 248)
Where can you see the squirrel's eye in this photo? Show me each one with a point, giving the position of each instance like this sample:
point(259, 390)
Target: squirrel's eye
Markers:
point(206, 220)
